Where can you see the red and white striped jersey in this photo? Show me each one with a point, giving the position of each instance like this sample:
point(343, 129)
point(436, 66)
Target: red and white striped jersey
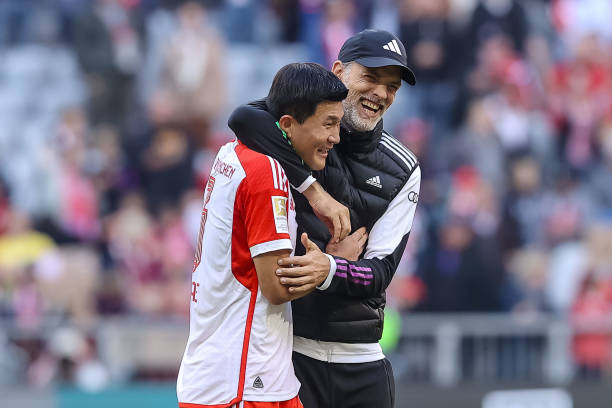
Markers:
point(239, 345)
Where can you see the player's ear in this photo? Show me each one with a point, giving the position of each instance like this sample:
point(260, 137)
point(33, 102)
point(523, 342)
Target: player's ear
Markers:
point(285, 124)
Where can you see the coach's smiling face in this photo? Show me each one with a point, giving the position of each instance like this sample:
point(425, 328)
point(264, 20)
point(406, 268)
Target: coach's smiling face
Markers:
point(371, 92)
point(317, 135)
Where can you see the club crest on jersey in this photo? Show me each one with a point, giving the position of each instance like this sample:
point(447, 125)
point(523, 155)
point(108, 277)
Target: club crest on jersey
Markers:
point(258, 383)
point(279, 209)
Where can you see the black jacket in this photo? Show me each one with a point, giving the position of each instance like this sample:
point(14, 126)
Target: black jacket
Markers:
point(378, 180)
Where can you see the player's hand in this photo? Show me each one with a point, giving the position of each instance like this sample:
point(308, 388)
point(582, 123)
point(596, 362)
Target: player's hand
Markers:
point(302, 274)
point(332, 213)
point(350, 247)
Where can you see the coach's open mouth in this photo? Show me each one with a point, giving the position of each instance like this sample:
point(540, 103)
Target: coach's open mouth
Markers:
point(370, 106)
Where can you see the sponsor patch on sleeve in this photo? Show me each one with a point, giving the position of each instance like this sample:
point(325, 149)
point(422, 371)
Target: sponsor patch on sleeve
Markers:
point(279, 208)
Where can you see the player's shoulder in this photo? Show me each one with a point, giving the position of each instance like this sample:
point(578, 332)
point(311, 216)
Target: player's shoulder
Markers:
point(262, 171)
point(400, 153)
point(255, 163)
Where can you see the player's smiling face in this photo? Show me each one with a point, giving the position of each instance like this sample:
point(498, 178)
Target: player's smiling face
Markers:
point(371, 92)
point(313, 139)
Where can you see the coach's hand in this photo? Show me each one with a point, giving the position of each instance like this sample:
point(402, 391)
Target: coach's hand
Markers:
point(350, 247)
point(302, 274)
point(331, 212)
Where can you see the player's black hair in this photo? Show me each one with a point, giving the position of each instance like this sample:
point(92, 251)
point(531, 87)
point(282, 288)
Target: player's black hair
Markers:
point(298, 88)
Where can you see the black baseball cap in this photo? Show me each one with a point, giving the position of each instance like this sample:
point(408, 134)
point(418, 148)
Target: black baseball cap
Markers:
point(377, 48)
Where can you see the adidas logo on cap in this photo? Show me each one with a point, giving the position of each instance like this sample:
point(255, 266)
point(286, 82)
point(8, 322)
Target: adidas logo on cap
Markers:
point(392, 46)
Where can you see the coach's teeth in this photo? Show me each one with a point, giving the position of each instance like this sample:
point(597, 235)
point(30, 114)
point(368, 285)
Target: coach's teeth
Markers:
point(371, 105)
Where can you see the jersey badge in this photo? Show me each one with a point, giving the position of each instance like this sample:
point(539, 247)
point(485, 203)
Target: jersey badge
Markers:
point(279, 208)
point(258, 383)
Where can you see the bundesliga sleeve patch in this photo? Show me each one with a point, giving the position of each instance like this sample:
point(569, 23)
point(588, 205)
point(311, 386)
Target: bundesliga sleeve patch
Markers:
point(279, 208)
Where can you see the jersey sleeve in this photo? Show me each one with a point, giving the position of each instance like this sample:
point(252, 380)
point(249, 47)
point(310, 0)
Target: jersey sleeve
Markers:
point(264, 199)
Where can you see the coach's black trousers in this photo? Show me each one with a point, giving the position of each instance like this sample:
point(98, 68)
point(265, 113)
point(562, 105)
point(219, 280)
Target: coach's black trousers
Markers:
point(344, 385)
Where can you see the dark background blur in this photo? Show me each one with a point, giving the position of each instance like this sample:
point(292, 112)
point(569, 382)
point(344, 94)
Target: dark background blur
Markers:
point(111, 112)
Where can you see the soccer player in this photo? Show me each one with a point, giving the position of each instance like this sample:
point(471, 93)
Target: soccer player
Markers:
point(337, 356)
point(240, 341)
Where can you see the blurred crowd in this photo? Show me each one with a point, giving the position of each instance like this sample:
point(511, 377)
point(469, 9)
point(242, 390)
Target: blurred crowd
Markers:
point(111, 112)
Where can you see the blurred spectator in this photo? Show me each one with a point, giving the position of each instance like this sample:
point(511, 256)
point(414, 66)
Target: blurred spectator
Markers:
point(240, 19)
point(577, 18)
point(364, 10)
point(191, 89)
point(498, 16)
point(177, 264)
point(167, 167)
point(459, 272)
point(108, 48)
point(497, 62)
point(131, 242)
point(338, 26)
point(538, 54)
point(27, 301)
point(288, 14)
point(461, 266)
point(591, 349)
point(568, 268)
point(415, 134)
point(579, 97)
point(21, 246)
point(426, 32)
point(311, 22)
point(107, 166)
point(78, 207)
point(527, 276)
point(152, 280)
point(40, 78)
point(77, 267)
point(69, 357)
point(13, 18)
point(519, 122)
point(568, 210)
point(599, 182)
point(43, 369)
point(4, 207)
point(489, 159)
point(90, 373)
point(600, 245)
point(525, 206)
point(407, 289)
point(472, 199)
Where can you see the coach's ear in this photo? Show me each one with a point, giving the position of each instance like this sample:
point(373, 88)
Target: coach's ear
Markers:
point(338, 68)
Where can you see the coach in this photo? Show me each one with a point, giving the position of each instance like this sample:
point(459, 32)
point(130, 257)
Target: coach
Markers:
point(337, 357)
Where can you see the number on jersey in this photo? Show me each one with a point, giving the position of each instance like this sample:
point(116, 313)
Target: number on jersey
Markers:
point(198, 254)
